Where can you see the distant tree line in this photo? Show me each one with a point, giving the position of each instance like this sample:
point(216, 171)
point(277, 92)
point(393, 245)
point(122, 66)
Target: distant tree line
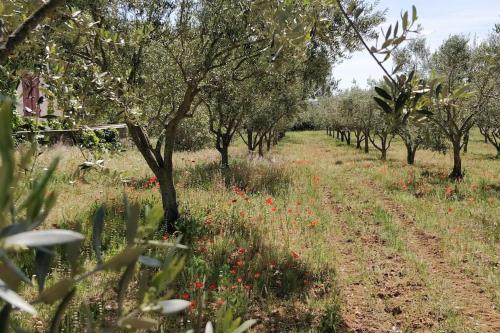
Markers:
point(430, 101)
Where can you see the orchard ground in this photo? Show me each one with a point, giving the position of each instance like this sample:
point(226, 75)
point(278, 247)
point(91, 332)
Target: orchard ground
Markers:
point(316, 237)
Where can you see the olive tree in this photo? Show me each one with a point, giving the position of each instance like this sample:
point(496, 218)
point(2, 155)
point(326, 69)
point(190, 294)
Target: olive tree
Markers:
point(487, 61)
point(227, 103)
point(458, 97)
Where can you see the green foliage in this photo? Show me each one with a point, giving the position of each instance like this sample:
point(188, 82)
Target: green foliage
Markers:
point(100, 140)
point(19, 231)
point(193, 133)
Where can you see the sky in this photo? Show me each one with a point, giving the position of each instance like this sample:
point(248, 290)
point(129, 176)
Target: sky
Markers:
point(438, 18)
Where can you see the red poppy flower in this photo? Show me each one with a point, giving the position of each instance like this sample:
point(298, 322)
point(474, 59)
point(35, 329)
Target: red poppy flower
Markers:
point(274, 209)
point(449, 191)
point(185, 296)
point(248, 287)
point(192, 306)
point(314, 223)
point(241, 251)
point(198, 285)
point(239, 280)
point(220, 301)
point(212, 286)
point(240, 263)
point(290, 210)
point(257, 275)
point(295, 255)
point(232, 271)
point(269, 200)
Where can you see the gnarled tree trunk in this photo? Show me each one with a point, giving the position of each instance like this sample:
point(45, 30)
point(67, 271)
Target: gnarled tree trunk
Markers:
point(410, 154)
point(456, 173)
point(367, 146)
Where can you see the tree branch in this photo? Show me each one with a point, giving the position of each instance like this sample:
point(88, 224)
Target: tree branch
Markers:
point(22, 31)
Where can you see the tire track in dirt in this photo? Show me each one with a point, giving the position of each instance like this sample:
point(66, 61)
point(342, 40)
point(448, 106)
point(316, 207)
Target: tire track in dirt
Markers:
point(387, 303)
point(464, 293)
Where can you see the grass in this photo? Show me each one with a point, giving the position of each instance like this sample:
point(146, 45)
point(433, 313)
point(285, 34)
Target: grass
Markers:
point(288, 239)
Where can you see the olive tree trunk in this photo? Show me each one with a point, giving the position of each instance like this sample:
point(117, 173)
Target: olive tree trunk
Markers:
point(456, 173)
point(367, 145)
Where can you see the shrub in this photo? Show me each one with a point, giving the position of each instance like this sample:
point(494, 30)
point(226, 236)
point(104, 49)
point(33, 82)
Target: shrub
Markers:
point(100, 140)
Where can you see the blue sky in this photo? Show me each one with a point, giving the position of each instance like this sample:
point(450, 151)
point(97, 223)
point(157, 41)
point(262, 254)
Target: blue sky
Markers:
point(439, 19)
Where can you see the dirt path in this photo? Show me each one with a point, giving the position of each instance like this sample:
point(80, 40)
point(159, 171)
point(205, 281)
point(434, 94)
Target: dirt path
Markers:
point(393, 277)
point(383, 300)
point(465, 294)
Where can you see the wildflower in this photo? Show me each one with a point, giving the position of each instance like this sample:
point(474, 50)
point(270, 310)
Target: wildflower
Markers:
point(219, 301)
point(241, 251)
point(198, 285)
point(257, 275)
point(295, 255)
point(290, 211)
point(212, 286)
point(248, 287)
point(209, 220)
point(450, 210)
point(269, 201)
point(242, 214)
point(272, 264)
point(449, 191)
point(240, 263)
point(239, 280)
point(314, 223)
point(234, 287)
point(185, 296)
point(274, 209)
point(192, 306)
point(232, 271)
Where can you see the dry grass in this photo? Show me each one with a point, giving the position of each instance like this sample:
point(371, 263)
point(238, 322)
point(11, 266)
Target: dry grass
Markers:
point(348, 242)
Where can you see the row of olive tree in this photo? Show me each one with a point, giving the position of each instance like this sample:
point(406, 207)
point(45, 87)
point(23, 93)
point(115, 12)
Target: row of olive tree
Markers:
point(25, 203)
point(152, 64)
point(434, 106)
